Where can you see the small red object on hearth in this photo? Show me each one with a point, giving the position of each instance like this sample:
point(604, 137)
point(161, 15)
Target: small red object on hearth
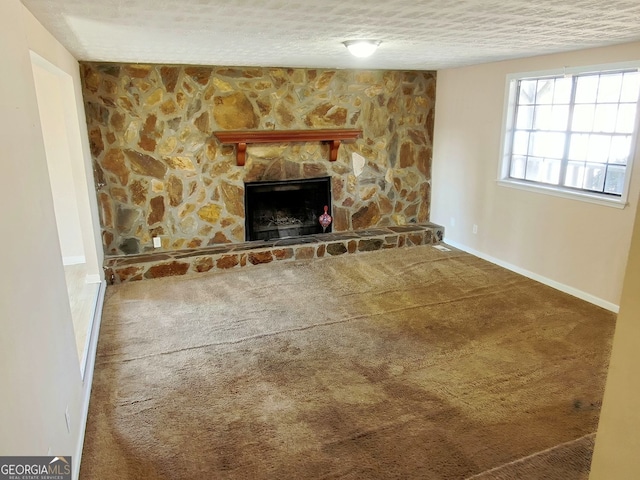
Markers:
point(325, 219)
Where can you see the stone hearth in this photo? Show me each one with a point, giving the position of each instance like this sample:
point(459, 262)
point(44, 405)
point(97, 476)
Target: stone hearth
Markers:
point(123, 268)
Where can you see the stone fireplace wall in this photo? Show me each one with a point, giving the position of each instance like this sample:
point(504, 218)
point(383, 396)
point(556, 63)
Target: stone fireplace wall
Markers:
point(159, 170)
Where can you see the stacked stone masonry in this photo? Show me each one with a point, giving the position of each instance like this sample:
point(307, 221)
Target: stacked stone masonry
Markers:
point(160, 171)
point(138, 267)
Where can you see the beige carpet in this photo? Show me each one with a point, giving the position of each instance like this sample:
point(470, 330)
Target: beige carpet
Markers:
point(570, 460)
point(405, 363)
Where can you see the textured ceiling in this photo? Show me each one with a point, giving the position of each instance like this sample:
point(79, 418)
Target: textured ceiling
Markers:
point(415, 34)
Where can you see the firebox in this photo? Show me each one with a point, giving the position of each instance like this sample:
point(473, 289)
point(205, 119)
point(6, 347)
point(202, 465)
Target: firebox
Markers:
point(287, 208)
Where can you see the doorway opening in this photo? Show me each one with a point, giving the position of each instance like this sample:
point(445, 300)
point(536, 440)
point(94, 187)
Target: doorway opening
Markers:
point(67, 175)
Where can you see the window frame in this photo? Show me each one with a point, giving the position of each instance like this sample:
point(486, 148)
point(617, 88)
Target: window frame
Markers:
point(508, 127)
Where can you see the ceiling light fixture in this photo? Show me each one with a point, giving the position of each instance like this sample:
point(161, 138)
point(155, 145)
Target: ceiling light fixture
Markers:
point(362, 48)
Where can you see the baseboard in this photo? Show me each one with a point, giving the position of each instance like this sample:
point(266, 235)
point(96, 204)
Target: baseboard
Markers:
point(89, 360)
point(97, 312)
point(73, 260)
point(539, 278)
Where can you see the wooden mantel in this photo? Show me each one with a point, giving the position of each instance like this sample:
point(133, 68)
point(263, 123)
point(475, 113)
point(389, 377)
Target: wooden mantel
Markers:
point(242, 138)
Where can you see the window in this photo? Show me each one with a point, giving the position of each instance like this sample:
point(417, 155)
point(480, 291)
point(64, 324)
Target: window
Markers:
point(572, 133)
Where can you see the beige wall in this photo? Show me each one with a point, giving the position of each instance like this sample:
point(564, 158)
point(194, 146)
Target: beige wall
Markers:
point(61, 65)
point(38, 361)
point(618, 441)
point(581, 246)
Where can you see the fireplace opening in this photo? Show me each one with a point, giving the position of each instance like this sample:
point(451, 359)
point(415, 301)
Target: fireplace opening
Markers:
point(287, 208)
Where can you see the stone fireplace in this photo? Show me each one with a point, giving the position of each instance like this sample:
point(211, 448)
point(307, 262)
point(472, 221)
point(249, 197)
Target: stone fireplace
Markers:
point(286, 208)
point(160, 170)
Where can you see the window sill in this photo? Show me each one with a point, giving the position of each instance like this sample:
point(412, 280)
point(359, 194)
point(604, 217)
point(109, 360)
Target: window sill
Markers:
point(557, 192)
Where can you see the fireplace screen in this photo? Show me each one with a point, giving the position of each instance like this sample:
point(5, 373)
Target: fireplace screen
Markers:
point(287, 208)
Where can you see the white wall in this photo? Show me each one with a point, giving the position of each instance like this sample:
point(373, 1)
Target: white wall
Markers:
point(57, 59)
point(581, 246)
point(39, 366)
point(49, 91)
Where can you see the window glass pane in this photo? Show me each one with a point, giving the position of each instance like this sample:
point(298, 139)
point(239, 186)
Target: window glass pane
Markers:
point(545, 91)
point(575, 174)
point(547, 144)
point(550, 170)
point(545, 170)
point(542, 117)
point(605, 118)
point(518, 166)
point(525, 118)
point(599, 146)
point(527, 92)
point(583, 118)
point(533, 169)
point(614, 182)
point(587, 88)
point(562, 90)
point(579, 146)
point(520, 143)
point(626, 118)
point(559, 115)
point(594, 174)
point(630, 87)
point(609, 88)
point(620, 145)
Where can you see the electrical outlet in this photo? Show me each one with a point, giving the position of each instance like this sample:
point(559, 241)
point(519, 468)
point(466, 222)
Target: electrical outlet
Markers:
point(157, 243)
point(67, 418)
point(475, 228)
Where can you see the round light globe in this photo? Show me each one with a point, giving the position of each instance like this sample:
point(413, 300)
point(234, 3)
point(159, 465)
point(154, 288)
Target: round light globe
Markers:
point(361, 48)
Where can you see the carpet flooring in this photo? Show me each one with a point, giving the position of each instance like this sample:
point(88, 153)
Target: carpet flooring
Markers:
point(404, 363)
